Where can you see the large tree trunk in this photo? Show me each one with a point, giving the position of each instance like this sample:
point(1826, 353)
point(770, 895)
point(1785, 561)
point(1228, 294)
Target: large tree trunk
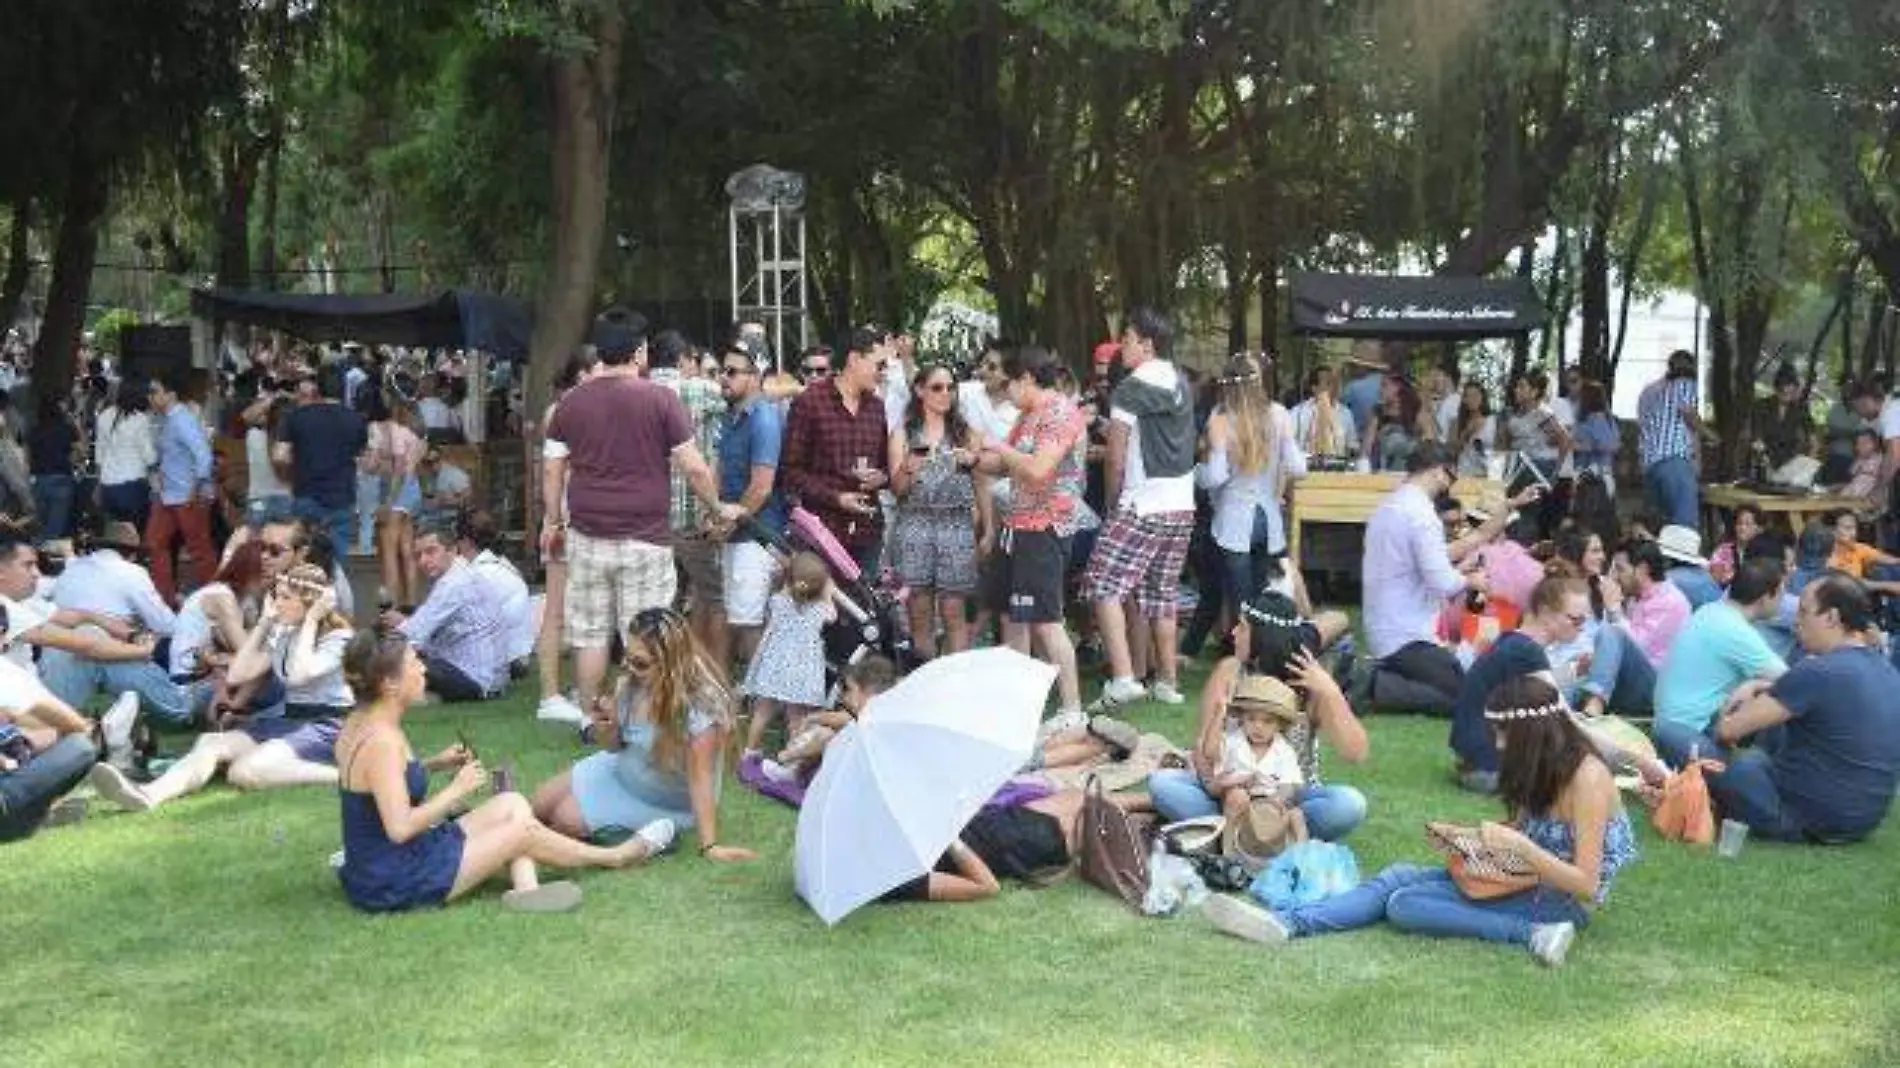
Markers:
point(75, 250)
point(267, 240)
point(584, 89)
point(237, 178)
point(19, 263)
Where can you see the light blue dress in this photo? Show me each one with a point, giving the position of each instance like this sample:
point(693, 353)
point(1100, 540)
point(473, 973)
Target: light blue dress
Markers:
point(622, 790)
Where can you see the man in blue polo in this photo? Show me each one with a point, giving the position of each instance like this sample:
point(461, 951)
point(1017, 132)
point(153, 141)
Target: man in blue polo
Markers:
point(750, 439)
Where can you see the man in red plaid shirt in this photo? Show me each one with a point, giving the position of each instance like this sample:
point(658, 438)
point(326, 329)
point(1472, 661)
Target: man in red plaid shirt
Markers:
point(835, 456)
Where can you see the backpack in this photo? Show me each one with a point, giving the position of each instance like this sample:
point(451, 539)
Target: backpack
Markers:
point(1114, 852)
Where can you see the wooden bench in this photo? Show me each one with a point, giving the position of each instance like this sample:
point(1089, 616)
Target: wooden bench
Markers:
point(1351, 497)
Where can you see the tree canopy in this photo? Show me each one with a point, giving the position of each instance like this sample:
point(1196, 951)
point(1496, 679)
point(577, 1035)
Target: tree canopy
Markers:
point(1055, 160)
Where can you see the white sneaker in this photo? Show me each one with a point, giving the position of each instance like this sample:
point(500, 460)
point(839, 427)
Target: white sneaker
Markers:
point(558, 709)
point(116, 725)
point(658, 836)
point(1119, 692)
point(337, 860)
point(777, 772)
point(1550, 942)
point(1232, 916)
point(110, 783)
point(1167, 694)
point(1068, 719)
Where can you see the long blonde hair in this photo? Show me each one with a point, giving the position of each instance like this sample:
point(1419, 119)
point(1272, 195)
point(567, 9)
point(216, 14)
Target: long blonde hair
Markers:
point(682, 678)
point(308, 582)
point(1243, 399)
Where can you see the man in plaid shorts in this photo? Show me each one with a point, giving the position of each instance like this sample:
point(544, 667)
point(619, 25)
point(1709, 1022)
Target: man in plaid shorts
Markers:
point(607, 495)
point(1149, 479)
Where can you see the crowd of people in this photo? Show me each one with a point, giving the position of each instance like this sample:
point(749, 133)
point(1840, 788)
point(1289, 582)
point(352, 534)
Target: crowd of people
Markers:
point(1015, 505)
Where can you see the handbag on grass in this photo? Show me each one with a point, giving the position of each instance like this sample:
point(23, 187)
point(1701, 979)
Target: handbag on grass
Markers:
point(1114, 850)
point(1481, 872)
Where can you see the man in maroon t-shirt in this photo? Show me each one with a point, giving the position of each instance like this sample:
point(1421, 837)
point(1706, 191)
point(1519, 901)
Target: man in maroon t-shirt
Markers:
point(608, 497)
point(836, 453)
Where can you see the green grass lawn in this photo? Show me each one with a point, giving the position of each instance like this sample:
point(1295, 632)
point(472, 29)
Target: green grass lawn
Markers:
point(213, 932)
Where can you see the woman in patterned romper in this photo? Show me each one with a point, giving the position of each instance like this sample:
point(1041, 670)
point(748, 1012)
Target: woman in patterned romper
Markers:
point(943, 511)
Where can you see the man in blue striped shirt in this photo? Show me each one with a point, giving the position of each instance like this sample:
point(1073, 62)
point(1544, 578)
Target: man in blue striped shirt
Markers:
point(1669, 424)
point(184, 480)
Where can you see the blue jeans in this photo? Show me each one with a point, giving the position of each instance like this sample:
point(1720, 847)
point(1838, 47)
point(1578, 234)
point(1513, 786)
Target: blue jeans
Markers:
point(1678, 744)
point(1426, 901)
point(74, 679)
point(369, 494)
point(26, 794)
point(1246, 572)
point(1673, 491)
point(127, 502)
point(53, 502)
point(336, 521)
point(1746, 791)
point(1620, 673)
point(1332, 812)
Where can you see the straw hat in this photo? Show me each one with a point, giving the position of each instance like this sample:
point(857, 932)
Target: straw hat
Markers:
point(1266, 692)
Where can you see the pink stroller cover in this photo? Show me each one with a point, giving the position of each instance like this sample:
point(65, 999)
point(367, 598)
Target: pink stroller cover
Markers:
point(826, 546)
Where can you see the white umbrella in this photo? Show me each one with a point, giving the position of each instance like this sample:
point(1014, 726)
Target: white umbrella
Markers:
point(898, 786)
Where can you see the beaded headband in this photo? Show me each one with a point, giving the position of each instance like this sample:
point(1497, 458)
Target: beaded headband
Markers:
point(1505, 715)
point(1255, 615)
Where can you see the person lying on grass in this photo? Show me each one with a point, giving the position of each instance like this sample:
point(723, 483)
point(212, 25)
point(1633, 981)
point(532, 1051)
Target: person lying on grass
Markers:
point(1273, 640)
point(1033, 842)
point(401, 849)
point(805, 750)
point(661, 739)
point(1565, 822)
point(299, 640)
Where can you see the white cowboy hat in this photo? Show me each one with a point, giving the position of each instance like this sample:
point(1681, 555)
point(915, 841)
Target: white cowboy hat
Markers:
point(1682, 544)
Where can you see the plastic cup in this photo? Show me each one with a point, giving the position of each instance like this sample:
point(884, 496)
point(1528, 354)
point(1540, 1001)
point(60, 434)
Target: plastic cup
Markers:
point(1728, 845)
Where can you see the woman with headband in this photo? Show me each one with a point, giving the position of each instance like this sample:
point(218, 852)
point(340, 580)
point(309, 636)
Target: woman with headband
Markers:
point(661, 737)
point(1272, 639)
point(299, 639)
point(1251, 456)
point(1565, 824)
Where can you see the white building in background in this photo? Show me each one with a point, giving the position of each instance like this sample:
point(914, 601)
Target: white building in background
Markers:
point(1674, 320)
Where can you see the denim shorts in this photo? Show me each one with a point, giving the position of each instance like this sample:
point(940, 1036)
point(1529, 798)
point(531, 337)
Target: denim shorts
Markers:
point(263, 511)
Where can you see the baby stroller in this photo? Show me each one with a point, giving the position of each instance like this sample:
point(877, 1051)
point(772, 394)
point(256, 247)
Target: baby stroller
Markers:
point(870, 618)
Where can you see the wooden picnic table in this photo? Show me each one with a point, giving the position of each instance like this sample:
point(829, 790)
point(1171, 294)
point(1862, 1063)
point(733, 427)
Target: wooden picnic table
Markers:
point(1799, 508)
point(1351, 497)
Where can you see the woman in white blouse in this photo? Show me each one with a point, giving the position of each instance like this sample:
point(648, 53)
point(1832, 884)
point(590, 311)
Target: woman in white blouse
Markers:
point(126, 450)
point(1251, 456)
point(300, 641)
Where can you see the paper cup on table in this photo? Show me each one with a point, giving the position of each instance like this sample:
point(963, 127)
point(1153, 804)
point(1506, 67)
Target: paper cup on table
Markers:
point(1729, 845)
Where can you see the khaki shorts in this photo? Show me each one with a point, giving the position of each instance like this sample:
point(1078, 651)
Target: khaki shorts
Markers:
point(611, 580)
point(750, 572)
point(698, 560)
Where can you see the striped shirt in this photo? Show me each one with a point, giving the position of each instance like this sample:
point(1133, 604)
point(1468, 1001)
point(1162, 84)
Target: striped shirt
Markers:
point(1663, 434)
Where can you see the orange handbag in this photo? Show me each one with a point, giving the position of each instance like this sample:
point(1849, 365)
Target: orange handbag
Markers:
point(1684, 813)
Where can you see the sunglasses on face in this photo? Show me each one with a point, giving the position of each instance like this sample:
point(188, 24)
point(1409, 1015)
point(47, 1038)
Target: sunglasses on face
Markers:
point(273, 551)
point(735, 372)
point(937, 387)
point(817, 368)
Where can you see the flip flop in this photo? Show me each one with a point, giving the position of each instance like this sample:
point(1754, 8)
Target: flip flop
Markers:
point(548, 897)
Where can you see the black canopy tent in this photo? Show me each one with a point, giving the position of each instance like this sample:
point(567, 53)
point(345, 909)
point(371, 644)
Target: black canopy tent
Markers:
point(1403, 308)
point(460, 318)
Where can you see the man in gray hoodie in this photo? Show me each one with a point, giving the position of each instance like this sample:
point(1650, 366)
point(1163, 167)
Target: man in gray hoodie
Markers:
point(1149, 488)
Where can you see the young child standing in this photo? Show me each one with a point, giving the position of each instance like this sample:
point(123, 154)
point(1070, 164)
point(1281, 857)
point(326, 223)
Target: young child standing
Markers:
point(1256, 760)
point(789, 667)
point(862, 681)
